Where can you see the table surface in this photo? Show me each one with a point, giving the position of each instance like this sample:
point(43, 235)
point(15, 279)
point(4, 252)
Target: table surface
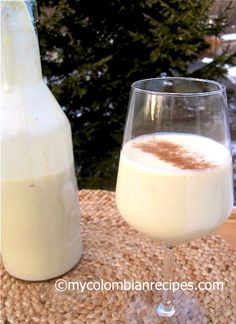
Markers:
point(228, 229)
point(113, 251)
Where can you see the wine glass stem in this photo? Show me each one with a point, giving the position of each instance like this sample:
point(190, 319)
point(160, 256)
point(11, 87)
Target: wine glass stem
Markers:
point(166, 308)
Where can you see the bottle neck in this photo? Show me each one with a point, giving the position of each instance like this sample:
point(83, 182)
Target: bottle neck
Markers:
point(20, 57)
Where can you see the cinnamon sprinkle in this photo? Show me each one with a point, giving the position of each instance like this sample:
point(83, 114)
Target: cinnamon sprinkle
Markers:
point(175, 154)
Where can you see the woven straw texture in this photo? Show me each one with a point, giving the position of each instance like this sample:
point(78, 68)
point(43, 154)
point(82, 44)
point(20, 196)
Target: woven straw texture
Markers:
point(112, 251)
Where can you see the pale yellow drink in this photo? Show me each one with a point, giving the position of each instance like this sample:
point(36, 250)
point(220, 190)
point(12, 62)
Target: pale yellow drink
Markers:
point(39, 204)
point(174, 197)
point(40, 225)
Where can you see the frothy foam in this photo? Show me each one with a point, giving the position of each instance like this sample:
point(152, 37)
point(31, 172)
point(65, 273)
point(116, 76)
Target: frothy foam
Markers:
point(176, 151)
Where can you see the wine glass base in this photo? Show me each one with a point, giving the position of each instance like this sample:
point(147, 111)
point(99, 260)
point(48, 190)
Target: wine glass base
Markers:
point(144, 308)
point(163, 311)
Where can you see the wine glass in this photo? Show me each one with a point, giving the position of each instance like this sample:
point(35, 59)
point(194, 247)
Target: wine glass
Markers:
point(175, 181)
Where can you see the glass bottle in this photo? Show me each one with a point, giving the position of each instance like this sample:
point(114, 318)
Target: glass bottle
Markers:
point(40, 211)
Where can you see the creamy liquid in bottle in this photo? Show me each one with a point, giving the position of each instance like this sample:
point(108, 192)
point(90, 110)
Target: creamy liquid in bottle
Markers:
point(174, 187)
point(39, 206)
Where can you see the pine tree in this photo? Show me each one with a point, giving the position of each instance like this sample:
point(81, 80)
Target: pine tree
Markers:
point(93, 50)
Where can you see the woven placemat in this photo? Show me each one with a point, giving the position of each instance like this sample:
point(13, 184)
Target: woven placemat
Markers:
point(112, 251)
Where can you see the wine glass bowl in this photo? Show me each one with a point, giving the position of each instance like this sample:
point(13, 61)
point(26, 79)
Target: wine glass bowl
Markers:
point(175, 181)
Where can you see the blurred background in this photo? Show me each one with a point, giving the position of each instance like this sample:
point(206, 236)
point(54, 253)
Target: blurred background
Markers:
point(93, 50)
